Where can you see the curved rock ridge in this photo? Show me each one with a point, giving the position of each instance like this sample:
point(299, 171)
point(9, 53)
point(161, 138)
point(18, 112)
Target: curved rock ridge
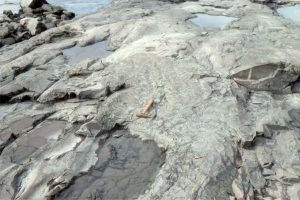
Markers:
point(222, 123)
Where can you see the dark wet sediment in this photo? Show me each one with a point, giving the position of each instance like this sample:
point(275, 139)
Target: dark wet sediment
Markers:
point(125, 168)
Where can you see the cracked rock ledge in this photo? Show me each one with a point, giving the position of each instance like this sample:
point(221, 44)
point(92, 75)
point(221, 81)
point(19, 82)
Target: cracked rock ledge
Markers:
point(225, 119)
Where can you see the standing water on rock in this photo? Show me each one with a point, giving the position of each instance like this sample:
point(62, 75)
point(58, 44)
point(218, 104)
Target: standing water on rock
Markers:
point(290, 12)
point(77, 54)
point(125, 168)
point(80, 7)
point(204, 20)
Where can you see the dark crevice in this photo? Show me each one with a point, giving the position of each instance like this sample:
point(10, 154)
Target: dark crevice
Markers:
point(4, 99)
point(11, 139)
point(90, 95)
point(17, 182)
point(272, 4)
point(18, 71)
point(7, 97)
point(295, 86)
point(23, 98)
point(67, 96)
point(120, 87)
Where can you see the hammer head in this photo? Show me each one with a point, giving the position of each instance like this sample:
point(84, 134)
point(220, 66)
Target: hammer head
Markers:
point(143, 115)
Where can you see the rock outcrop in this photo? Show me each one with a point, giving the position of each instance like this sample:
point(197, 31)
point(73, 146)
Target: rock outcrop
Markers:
point(224, 122)
point(33, 18)
point(32, 3)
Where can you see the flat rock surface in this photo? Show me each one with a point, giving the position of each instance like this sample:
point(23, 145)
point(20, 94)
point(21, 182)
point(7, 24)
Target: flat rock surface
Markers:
point(224, 121)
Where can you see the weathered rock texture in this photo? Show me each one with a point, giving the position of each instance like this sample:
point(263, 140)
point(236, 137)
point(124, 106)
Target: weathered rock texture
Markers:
point(226, 105)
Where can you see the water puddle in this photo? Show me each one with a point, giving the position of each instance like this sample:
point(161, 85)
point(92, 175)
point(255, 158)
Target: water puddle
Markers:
point(24, 124)
point(50, 131)
point(32, 141)
point(94, 51)
point(290, 12)
point(125, 168)
point(80, 7)
point(21, 125)
point(210, 21)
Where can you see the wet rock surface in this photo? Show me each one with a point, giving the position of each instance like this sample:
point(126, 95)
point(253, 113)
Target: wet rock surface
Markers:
point(126, 167)
point(93, 51)
point(225, 105)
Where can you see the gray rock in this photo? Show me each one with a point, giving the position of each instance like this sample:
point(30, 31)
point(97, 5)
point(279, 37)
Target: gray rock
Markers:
point(8, 13)
point(47, 7)
point(267, 172)
point(69, 15)
point(8, 41)
point(35, 26)
point(220, 108)
point(270, 77)
point(27, 11)
point(4, 18)
point(32, 3)
point(4, 31)
point(295, 116)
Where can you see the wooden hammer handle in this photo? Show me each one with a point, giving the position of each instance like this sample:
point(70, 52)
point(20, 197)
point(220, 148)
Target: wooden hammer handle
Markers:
point(148, 106)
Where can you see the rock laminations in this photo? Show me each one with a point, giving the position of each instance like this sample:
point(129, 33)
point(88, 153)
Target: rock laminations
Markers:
point(223, 124)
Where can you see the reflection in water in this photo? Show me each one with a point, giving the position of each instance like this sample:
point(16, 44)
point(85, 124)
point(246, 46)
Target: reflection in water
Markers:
point(21, 125)
point(80, 7)
point(291, 12)
point(49, 132)
point(125, 168)
point(28, 143)
point(204, 20)
point(94, 51)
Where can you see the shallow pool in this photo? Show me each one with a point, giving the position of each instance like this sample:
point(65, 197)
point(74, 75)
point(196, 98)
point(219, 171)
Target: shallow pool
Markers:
point(204, 20)
point(94, 51)
point(290, 12)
